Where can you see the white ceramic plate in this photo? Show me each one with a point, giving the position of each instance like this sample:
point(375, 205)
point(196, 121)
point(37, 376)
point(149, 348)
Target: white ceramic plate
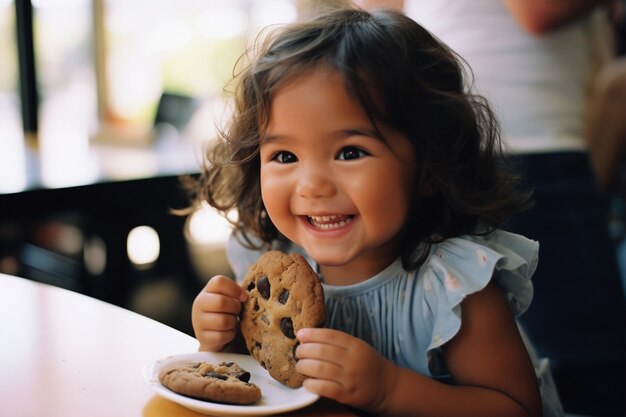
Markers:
point(277, 398)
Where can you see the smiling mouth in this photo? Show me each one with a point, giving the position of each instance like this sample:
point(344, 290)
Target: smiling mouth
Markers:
point(329, 222)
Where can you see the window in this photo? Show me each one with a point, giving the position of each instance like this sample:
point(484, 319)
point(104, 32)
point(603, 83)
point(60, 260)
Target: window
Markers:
point(9, 100)
point(182, 47)
point(12, 161)
point(102, 69)
point(66, 86)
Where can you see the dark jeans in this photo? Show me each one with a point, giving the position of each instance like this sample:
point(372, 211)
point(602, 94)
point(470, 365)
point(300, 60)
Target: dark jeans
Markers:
point(577, 318)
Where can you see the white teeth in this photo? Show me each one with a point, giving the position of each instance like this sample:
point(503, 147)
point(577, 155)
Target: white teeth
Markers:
point(329, 222)
point(323, 218)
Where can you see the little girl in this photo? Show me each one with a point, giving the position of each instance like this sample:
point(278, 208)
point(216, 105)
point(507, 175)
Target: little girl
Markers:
point(354, 143)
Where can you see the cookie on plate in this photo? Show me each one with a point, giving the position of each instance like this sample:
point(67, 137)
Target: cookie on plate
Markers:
point(226, 382)
point(285, 295)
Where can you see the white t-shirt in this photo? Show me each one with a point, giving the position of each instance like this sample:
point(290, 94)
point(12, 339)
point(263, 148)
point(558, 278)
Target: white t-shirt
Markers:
point(537, 84)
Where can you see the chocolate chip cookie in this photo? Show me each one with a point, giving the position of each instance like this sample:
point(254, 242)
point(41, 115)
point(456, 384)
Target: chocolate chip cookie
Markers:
point(285, 295)
point(226, 382)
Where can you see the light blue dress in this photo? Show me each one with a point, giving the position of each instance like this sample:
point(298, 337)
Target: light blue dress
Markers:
point(408, 316)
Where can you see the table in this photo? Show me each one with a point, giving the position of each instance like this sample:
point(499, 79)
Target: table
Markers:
point(64, 354)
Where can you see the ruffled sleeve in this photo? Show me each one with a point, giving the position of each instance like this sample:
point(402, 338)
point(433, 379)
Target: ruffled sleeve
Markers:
point(461, 266)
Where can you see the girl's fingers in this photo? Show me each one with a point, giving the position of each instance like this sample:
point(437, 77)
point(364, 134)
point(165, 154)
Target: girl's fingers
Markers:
point(209, 339)
point(321, 351)
point(216, 303)
point(214, 312)
point(319, 369)
point(323, 388)
point(221, 284)
point(219, 322)
point(325, 336)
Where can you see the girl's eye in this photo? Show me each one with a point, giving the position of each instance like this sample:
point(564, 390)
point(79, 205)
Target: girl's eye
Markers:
point(351, 152)
point(284, 157)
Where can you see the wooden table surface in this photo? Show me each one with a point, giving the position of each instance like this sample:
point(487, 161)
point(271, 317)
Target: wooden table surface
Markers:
point(63, 354)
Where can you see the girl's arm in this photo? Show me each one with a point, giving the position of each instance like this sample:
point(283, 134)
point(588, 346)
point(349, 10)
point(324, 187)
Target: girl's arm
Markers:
point(493, 374)
point(540, 16)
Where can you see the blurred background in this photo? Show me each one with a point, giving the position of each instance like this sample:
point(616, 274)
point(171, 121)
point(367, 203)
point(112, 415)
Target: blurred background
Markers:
point(104, 106)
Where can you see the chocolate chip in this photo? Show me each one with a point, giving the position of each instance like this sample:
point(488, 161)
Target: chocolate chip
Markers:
point(251, 286)
point(228, 364)
point(286, 325)
point(245, 377)
point(216, 375)
point(264, 287)
point(284, 296)
point(255, 305)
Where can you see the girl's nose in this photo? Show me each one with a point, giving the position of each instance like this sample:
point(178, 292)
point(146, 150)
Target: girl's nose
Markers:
point(314, 182)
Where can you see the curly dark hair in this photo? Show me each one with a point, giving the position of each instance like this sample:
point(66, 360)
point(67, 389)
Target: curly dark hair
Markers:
point(403, 77)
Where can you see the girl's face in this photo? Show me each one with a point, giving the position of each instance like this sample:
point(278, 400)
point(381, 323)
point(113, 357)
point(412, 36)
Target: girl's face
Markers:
point(329, 184)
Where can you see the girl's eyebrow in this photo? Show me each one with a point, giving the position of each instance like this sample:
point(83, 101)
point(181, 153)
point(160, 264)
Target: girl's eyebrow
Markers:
point(269, 139)
point(343, 133)
point(364, 131)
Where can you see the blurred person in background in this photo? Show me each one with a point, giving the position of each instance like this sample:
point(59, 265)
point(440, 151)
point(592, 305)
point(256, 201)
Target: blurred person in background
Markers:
point(534, 60)
point(606, 135)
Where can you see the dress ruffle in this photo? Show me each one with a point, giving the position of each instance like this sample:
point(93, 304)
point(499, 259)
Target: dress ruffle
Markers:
point(462, 266)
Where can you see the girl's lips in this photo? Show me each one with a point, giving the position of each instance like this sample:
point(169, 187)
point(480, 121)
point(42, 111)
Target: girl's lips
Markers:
point(330, 222)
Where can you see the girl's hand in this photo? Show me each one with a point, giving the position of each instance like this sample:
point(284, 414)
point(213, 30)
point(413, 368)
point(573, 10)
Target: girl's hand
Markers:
point(214, 313)
point(344, 368)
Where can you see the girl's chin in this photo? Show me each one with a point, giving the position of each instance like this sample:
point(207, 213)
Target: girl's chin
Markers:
point(328, 259)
